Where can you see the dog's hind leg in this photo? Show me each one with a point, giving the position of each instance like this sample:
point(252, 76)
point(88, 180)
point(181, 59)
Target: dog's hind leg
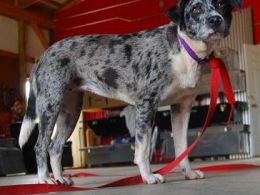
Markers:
point(66, 122)
point(48, 105)
point(145, 113)
point(180, 114)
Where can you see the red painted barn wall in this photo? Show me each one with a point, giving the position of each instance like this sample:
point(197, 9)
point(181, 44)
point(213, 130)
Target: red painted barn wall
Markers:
point(111, 17)
point(124, 16)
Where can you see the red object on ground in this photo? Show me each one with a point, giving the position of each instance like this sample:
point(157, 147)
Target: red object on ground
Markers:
point(219, 72)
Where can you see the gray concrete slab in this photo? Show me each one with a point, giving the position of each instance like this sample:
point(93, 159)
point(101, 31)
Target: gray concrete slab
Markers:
point(239, 182)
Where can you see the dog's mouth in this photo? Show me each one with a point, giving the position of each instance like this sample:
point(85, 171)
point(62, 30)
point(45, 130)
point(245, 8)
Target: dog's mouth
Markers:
point(215, 35)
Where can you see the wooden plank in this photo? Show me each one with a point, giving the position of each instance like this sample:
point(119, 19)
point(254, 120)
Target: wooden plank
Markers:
point(8, 54)
point(11, 55)
point(52, 3)
point(18, 13)
point(28, 3)
point(49, 3)
point(21, 46)
point(40, 35)
point(68, 4)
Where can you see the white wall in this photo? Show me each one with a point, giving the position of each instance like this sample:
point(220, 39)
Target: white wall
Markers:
point(33, 45)
point(9, 39)
point(8, 34)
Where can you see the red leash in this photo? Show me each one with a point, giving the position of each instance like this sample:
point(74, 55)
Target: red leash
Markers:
point(219, 72)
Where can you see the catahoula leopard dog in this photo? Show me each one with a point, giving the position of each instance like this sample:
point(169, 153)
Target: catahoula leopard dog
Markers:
point(145, 69)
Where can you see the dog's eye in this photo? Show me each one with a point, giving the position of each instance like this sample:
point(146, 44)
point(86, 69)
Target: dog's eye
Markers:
point(221, 4)
point(196, 10)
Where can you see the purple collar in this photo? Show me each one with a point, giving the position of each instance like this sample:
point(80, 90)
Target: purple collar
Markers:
point(190, 51)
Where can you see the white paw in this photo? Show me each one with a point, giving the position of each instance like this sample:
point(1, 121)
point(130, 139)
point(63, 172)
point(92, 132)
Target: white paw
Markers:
point(190, 175)
point(59, 181)
point(67, 181)
point(154, 179)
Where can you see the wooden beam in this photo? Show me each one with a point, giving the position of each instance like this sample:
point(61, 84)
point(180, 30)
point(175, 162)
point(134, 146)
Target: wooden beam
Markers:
point(8, 54)
point(15, 56)
point(40, 35)
point(20, 14)
point(49, 3)
point(21, 47)
point(69, 3)
point(52, 3)
point(28, 3)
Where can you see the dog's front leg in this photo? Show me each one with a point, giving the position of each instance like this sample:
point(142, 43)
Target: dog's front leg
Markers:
point(145, 113)
point(180, 114)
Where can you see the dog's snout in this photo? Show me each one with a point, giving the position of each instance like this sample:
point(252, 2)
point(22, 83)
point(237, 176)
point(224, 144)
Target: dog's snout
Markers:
point(214, 21)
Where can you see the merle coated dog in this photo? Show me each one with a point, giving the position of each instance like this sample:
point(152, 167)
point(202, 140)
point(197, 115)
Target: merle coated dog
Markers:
point(145, 69)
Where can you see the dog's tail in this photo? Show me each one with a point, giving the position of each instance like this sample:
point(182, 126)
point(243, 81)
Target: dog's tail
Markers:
point(29, 120)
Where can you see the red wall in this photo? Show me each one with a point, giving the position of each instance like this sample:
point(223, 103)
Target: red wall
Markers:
point(124, 16)
point(255, 4)
point(111, 17)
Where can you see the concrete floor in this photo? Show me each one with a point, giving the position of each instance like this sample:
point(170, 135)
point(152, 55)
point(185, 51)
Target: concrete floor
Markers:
point(216, 183)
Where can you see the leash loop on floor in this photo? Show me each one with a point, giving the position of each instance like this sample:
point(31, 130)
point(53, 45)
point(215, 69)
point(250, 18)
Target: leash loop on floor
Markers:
point(218, 73)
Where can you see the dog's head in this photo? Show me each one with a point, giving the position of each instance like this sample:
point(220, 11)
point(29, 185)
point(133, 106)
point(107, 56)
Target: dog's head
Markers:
point(206, 20)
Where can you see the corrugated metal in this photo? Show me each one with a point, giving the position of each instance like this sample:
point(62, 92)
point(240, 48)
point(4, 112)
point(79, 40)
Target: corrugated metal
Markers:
point(241, 32)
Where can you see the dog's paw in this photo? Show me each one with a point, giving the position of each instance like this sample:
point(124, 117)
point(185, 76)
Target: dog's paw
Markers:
point(67, 181)
point(194, 174)
point(154, 179)
point(47, 180)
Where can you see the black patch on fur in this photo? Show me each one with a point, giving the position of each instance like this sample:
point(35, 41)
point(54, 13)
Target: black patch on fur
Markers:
point(108, 61)
point(64, 62)
point(73, 45)
point(110, 77)
point(128, 86)
point(49, 108)
point(128, 52)
point(45, 120)
point(92, 52)
point(148, 68)
point(135, 68)
point(53, 54)
point(82, 52)
point(140, 137)
point(31, 113)
point(114, 43)
point(100, 78)
point(126, 37)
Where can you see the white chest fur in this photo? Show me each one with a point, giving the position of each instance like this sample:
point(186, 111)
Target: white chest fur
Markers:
point(186, 71)
point(186, 74)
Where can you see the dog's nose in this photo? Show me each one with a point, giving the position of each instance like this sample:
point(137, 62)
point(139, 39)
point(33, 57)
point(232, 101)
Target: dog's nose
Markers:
point(214, 21)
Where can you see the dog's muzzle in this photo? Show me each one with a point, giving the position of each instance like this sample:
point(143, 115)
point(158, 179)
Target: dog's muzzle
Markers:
point(214, 22)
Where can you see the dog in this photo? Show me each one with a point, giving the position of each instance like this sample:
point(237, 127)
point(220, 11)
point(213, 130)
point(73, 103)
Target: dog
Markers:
point(145, 69)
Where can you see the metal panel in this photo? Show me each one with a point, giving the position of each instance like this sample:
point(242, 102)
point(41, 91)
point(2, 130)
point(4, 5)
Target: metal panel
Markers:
point(240, 32)
point(217, 141)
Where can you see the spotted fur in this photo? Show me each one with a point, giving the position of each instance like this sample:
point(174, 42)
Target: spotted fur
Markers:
point(145, 69)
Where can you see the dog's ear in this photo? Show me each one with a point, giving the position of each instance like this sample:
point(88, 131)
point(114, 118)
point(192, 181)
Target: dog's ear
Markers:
point(236, 3)
point(174, 14)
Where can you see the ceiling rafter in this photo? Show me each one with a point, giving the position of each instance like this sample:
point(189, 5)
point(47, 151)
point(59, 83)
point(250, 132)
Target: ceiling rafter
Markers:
point(21, 14)
point(40, 35)
point(50, 3)
point(69, 3)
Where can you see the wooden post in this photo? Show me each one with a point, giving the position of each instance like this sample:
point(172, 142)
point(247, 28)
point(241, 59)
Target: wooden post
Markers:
point(22, 58)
